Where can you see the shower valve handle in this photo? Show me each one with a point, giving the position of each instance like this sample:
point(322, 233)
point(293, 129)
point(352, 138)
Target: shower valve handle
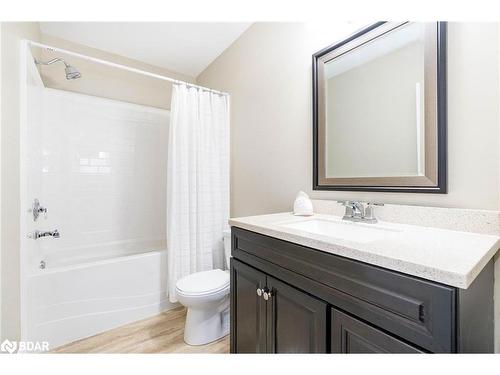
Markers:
point(37, 210)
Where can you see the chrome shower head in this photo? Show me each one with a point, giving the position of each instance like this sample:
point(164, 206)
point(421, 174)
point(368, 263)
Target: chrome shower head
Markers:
point(71, 71)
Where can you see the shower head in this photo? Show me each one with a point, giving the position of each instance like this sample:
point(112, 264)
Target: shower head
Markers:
point(71, 71)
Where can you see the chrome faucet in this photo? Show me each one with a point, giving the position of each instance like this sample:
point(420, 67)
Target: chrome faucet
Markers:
point(356, 211)
point(37, 234)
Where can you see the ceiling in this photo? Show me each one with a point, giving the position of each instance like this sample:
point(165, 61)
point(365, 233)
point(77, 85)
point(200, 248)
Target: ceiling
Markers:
point(183, 47)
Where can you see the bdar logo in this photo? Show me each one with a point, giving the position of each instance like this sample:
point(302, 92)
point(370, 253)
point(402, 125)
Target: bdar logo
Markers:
point(8, 346)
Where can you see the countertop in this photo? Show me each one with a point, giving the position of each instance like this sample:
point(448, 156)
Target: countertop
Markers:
point(446, 256)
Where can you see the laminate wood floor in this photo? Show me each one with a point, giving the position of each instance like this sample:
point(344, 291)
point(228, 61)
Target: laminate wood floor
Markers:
point(160, 334)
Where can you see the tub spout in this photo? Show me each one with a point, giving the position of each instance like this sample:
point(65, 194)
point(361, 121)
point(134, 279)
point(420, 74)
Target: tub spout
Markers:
point(37, 234)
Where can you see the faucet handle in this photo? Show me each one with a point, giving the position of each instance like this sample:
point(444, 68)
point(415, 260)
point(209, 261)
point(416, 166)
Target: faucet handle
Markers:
point(348, 209)
point(369, 212)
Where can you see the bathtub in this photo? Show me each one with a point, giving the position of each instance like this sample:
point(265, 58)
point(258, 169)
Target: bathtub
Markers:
point(67, 302)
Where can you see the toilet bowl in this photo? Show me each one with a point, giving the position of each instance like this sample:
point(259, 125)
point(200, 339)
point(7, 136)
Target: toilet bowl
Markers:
point(206, 296)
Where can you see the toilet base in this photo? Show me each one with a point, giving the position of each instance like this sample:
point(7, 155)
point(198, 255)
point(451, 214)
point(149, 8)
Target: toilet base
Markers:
point(206, 325)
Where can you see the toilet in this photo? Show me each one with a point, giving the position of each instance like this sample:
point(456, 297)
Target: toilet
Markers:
point(206, 296)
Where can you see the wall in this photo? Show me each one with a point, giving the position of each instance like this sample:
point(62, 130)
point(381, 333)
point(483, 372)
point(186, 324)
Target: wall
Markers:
point(267, 71)
point(12, 33)
point(105, 81)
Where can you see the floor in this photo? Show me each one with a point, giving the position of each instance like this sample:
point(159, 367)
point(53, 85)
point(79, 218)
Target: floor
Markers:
point(160, 334)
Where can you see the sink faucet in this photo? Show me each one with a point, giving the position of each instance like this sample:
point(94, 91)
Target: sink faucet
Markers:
point(356, 211)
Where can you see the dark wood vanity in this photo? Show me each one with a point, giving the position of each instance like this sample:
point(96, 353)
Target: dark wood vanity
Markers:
point(287, 298)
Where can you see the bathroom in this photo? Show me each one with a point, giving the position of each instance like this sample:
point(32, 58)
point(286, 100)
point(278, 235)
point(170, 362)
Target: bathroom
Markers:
point(211, 187)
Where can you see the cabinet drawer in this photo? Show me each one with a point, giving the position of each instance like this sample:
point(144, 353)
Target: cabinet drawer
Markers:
point(349, 335)
point(417, 310)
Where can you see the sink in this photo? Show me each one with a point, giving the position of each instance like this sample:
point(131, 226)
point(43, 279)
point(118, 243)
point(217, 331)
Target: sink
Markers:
point(344, 230)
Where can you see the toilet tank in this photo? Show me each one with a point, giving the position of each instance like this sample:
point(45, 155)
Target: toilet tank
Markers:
point(227, 246)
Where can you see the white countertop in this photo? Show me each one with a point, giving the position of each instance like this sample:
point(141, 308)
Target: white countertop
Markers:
point(446, 256)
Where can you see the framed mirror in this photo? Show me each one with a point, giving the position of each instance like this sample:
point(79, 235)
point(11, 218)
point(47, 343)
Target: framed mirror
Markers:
point(379, 110)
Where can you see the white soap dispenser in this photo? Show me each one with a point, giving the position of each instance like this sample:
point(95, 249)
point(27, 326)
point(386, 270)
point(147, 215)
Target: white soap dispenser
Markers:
point(302, 205)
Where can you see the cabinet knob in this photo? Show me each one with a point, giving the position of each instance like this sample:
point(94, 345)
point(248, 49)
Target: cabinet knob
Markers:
point(267, 294)
point(259, 292)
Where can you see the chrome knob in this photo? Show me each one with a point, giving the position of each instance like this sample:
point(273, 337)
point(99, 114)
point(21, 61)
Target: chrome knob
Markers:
point(37, 210)
point(267, 294)
point(259, 292)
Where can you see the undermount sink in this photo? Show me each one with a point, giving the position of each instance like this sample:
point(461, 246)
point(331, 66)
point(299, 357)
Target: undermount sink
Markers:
point(345, 230)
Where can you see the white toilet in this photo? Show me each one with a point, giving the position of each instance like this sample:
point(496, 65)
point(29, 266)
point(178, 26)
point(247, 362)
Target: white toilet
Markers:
point(206, 296)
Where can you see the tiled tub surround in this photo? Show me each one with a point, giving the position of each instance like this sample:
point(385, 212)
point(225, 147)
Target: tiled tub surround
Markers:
point(99, 167)
point(450, 246)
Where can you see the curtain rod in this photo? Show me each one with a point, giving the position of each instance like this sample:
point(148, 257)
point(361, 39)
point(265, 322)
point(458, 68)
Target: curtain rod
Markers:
point(123, 67)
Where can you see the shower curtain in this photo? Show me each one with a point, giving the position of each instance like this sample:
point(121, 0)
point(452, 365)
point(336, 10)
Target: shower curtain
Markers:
point(197, 182)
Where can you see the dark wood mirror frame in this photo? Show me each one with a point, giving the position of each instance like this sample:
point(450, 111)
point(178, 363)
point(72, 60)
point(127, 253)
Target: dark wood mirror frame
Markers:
point(435, 178)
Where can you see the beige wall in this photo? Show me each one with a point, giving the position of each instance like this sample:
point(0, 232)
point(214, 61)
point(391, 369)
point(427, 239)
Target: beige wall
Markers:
point(267, 71)
point(105, 81)
point(12, 33)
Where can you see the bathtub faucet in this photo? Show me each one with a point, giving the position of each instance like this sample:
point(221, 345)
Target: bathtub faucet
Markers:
point(37, 234)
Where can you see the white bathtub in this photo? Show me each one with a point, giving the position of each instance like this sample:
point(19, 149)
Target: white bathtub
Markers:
point(68, 303)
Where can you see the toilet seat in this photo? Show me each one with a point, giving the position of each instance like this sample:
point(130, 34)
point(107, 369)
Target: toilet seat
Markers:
point(203, 283)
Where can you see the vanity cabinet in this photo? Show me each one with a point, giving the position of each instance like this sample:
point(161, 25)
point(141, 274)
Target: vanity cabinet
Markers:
point(312, 301)
point(273, 317)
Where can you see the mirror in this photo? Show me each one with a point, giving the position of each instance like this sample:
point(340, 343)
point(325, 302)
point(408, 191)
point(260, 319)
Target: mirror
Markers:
point(379, 110)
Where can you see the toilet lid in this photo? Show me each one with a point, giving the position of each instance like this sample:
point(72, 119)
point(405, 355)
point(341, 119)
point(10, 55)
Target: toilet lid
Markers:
point(203, 282)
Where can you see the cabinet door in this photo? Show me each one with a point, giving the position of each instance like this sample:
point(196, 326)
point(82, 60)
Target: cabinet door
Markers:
point(248, 310)
point(350, 335)
point(296, 321)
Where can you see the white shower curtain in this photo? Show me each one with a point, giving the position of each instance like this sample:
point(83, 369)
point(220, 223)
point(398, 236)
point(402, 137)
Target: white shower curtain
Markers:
point(197, 182)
